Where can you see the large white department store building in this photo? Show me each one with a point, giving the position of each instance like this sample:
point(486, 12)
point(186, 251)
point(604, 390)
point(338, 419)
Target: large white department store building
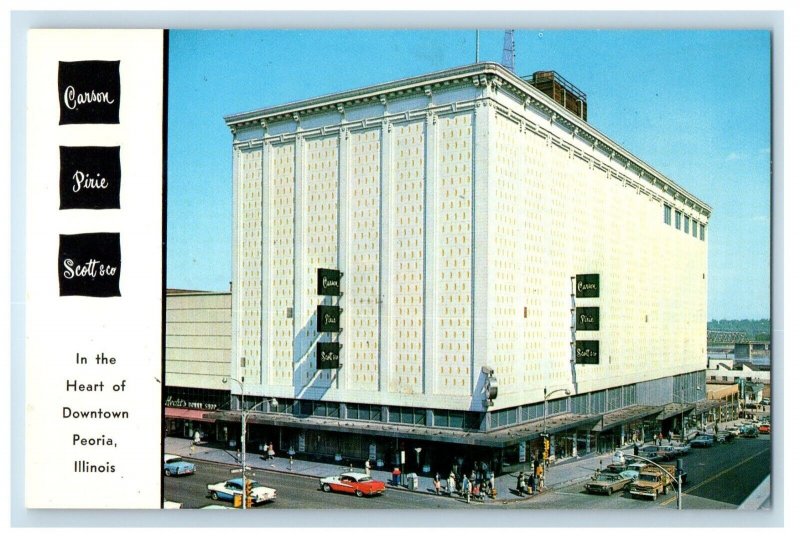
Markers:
point(462, 208)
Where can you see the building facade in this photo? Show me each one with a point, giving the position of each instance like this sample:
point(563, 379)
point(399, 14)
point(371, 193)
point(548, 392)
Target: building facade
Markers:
point(500, 264)
point(197, 361)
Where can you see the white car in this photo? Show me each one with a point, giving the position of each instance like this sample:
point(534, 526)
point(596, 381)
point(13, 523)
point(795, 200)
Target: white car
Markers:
point(225, 491)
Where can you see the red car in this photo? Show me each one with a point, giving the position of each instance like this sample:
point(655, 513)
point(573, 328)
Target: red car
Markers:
point(764, 428)
point(359, 484)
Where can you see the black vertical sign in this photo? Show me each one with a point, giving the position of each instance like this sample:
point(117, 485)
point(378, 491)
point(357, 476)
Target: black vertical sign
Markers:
point(587, 285)
point(587, 352)
point(328, 319)
point(328, 355)
point(328, 282)
point(587, 318)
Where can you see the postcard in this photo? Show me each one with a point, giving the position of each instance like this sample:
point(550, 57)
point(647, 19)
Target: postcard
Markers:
point(444, 269)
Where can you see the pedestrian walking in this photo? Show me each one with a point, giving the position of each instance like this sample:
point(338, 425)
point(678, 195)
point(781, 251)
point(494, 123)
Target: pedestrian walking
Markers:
point(465, 487)
point(655, 439)
point(437, 485)
point(270, 451)
point(532, 483)
point(521, 483)
point(366, 467)
point(451, 484)
point(669, 436)
point(540, 474)
point(660, 438)
point(396, 476)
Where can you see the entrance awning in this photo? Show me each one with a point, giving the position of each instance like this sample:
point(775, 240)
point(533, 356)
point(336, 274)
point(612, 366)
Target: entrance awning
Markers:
point(187, 414)
point(675, 409)
point(623, 416)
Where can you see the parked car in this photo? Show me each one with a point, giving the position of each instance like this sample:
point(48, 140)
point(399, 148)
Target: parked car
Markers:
point(749, 431)
point(702, 441)
point(764, 428)
point(176, 466)
point(733, 431)
point(650, 452)
point(667, 452)
point(359, 484)
point(225, 491)
point(682, 449)
point(724, 436)
point(607, 483)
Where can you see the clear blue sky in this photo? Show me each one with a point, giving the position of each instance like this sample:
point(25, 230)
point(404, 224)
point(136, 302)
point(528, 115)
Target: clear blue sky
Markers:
point(693, 104)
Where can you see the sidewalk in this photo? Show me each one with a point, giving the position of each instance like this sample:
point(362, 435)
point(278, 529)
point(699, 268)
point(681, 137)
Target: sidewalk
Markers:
point(563, 473)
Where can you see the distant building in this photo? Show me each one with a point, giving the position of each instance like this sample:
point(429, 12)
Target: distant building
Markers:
point(751, 350)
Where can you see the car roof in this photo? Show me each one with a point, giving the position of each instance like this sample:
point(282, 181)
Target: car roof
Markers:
point(356, 476)
point(168, 457)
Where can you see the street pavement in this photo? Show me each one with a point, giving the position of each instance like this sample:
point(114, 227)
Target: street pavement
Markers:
point(561, 474)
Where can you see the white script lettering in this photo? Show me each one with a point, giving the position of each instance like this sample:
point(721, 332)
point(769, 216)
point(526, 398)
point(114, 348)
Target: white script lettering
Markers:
point(81, 181)
point(72, 100)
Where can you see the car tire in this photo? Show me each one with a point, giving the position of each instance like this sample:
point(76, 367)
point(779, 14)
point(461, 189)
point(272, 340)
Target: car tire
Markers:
point(359, 493)
point(214, 495)
point(326, 488)
point(655, 496)
point(167, 472)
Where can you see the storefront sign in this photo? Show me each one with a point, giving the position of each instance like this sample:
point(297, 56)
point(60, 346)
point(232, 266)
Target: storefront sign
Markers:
point(522, 452)
point(328, 319)
point(587, 318)
point(587, 352)
point(328, 355)
point(177, 402)
point(587, 285)
point(328, 282)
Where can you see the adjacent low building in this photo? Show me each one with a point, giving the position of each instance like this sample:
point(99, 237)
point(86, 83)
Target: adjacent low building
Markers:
point(457, 268)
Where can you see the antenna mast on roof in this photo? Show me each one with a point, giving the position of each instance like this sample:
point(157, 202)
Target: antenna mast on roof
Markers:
point(508, 50)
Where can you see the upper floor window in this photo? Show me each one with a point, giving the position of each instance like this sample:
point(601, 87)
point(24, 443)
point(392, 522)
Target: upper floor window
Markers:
point(686, 223)
point(667, 214)
point(702, 233)
point(677, 219)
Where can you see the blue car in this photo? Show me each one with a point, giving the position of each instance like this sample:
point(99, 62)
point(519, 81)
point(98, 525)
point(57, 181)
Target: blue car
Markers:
point(177, 466)
point(702, 441)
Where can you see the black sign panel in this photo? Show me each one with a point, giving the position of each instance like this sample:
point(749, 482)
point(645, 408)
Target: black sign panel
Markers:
point(90, 177)
point(587, 285)
point(328, 355)
point(328, 282)
point(89, 265)
point(587, 352)
point(587, 318)
point(328, 319)
point(88, 92)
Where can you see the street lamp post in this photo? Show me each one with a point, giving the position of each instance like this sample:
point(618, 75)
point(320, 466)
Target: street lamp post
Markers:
point(245, 414)
point(670, 475)
point(546, 396)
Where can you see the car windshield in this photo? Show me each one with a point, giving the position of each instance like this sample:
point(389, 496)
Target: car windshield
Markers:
point(608, 478)
point(648, 477)
point(364, 479)
point(175, 460)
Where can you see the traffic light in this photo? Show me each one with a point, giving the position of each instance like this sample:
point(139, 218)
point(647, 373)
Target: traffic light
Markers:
point(248, 491)
point(546, 447)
